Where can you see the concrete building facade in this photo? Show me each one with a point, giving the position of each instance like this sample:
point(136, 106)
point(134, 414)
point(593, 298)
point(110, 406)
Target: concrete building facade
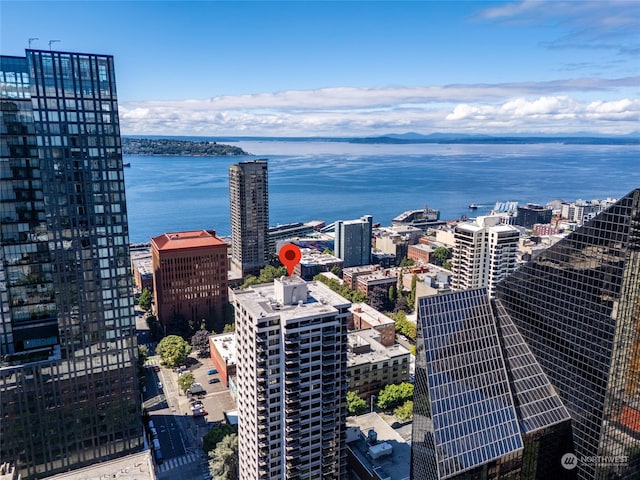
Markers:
point(353, 241)
point(485, 252)
point(291, 345)
point(249, 201)
point(190, 277)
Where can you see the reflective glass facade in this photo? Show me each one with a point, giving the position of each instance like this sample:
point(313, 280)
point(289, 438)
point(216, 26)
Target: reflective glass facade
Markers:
point(483, 408)
point(67, 333)
point(577, 305)
point(249, 202)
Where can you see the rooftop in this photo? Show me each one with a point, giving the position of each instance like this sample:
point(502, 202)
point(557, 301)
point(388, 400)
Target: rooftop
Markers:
point(377, 352)
point(371, 315)
point(137, 466)
point(225, 343)
point(260, 300)
point(396, 465)
point(185, 240)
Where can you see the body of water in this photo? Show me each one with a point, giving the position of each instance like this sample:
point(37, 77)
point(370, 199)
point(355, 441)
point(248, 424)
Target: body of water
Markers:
point(330, 181)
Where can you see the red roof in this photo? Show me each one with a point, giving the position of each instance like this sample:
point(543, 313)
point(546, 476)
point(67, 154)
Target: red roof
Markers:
point(184, 240)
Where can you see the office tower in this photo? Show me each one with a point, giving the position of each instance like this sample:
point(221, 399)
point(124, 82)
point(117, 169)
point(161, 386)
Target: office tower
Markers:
point(483, 408)
point(68, 380)
point(353, 241)
point(484, 253)
point(249, 197)
point(291, 346)
point(531, 214)
point(190, 278)
point(577, 305)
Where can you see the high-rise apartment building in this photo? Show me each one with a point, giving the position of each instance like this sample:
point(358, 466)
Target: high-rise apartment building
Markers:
point(190, 277)
point(249, 198)
point(484, 253)
point(291, 347)
point(577, 305)
point(483, 408)
point(353, 241)
point(68, 380)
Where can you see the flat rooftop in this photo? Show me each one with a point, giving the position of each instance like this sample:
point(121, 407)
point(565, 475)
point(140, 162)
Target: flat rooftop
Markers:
point(225, 343)
point(260, 300)
point(369, 314)
point(377, 352)
point(137, 466)
point(398, 464)
point(185, 240)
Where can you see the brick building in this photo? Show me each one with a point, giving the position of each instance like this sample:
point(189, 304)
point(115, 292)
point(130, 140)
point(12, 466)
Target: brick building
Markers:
point(189, 276)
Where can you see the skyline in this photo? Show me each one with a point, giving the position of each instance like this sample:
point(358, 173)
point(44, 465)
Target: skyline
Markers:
point(353, 68)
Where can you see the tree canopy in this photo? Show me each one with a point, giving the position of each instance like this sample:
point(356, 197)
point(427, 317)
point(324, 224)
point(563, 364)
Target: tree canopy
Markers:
point(185, 381)
point(404, 411)
point(200, 342)
point(173, 350)
point(355, 404)
point(394, 395)
point(404, 326)
point(267, 275)
point(215, 435)
point(341, 289)
point(441, 255)
point(223, 461)
point(144, 301)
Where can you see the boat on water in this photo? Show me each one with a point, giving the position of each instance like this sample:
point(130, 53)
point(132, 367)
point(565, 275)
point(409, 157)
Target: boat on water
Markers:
point(126, 164)
point(473, 206)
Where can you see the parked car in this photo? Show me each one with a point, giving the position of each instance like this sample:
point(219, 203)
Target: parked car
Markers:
point(156, 368)
point(196, 405)
point(159, 385)
point(213, 371)
point(200, 412)
point(214, 380)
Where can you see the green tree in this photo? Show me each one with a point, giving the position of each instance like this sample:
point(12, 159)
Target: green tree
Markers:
point(447, 265)
point(229, 328)
point(411, 299)
point(392, 295)
point(215, 435)
point(407, 262)
point(173, 350)
point(143, 354)
point(223, 461)
point(144, 301)
point(200, 342)
point(394, 395)
point(441, 255)
point(404, 326)
point(405, 411)
point(185, 381)
point(267, 275)
point(355, 404)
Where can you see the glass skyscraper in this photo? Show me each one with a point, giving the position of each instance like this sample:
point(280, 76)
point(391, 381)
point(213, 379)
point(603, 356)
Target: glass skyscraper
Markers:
point(68, 381)
point(249, 202)
point(577, 305)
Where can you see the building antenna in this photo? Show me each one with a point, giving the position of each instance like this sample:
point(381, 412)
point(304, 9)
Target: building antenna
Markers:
point(31, 41)
point(51, 42)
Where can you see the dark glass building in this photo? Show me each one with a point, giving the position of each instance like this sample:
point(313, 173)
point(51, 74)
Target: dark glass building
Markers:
point(577, 306)
point(483, 408)
point(249, 202)
point(68, 381)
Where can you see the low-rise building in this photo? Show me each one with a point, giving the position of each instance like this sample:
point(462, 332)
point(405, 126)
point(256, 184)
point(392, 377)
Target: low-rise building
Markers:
point(142, 266)
point(372, 365)
point(350, 274)
point(420, 253)
point(363, 316)
point(222, 350)
point(313, 262)
point(379, 279)
point(375, 451)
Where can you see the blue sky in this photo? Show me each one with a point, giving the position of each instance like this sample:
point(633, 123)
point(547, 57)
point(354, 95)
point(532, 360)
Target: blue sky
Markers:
point(353, 68)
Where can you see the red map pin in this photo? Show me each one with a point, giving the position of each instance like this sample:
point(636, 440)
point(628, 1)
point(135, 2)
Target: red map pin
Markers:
point(290, 256)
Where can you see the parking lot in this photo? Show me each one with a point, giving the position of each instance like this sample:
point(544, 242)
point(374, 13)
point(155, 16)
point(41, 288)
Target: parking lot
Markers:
point(217, 398)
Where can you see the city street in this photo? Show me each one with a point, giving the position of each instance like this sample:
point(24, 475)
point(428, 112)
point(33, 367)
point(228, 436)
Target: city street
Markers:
point(178, 432)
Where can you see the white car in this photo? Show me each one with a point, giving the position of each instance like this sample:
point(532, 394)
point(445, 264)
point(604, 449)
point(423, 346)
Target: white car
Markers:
point(159, 385)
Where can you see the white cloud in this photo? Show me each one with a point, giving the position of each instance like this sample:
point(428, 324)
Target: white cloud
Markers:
point(499, 108)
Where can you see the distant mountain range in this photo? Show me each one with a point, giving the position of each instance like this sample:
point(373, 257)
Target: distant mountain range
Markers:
point(412, 137)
